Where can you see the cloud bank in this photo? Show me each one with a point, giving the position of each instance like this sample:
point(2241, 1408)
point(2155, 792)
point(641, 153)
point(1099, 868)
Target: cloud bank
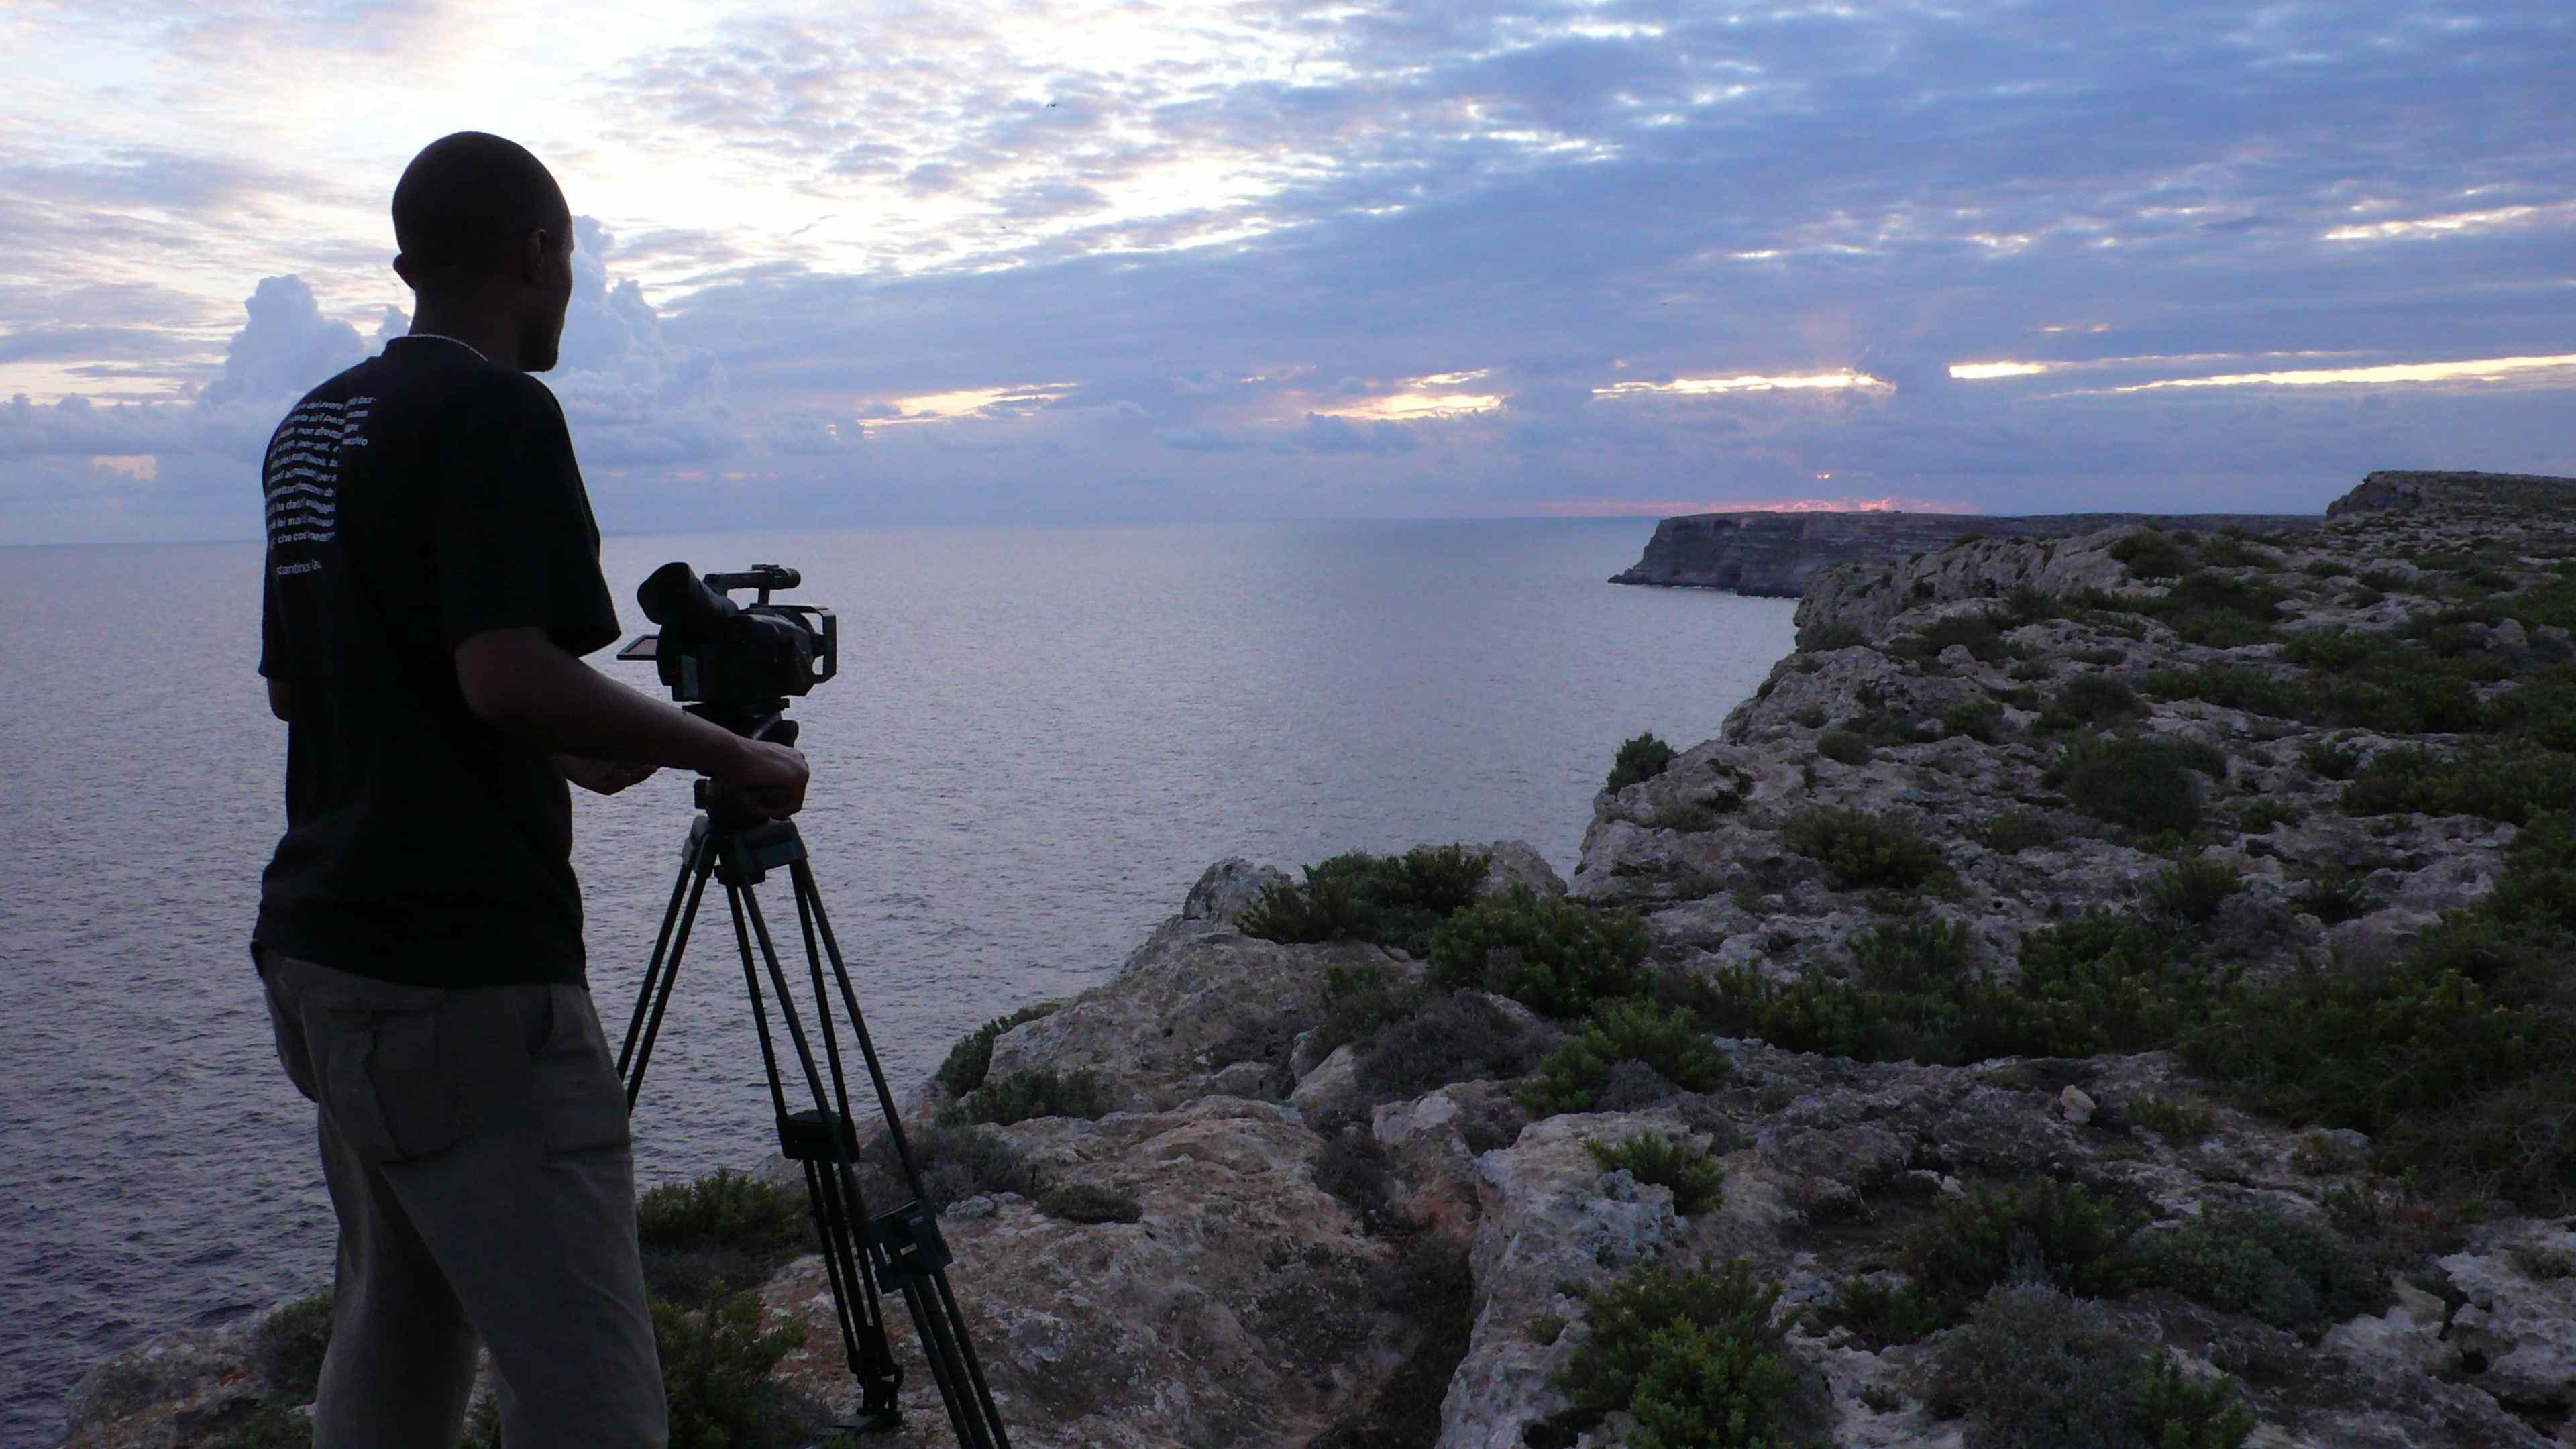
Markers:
point(1069, 262)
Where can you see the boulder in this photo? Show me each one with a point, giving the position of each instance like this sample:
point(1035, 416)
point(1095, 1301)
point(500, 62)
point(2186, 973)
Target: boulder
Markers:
point(1229, 888)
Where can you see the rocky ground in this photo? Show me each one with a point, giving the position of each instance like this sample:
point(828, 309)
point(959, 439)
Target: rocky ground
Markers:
point(2107, 990)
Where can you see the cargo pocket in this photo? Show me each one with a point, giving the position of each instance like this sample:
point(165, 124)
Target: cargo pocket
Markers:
point(384, 1088)
point(580, 1106)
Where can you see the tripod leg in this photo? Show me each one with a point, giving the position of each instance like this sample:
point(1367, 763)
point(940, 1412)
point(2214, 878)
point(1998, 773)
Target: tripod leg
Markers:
point(654, 997)
point(954, 1366)
point(824, 1141)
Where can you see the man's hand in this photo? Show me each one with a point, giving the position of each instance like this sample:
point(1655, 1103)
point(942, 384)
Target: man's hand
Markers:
point(603, 777)
point(769, 778)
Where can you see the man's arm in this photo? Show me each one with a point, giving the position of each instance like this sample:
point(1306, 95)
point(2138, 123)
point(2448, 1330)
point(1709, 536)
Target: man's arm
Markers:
point(520, 681)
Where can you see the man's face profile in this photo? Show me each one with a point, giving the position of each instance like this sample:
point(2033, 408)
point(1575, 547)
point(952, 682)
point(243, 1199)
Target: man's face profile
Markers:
point(550, 296)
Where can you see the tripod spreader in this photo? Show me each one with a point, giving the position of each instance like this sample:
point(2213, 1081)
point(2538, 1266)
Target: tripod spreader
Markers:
point(899, 1250)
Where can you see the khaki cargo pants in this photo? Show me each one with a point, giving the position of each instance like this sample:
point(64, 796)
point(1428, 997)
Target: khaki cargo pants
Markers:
point(475, 1142)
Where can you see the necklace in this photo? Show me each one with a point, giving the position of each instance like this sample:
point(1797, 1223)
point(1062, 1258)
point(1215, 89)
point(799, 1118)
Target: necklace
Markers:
point(439, 337)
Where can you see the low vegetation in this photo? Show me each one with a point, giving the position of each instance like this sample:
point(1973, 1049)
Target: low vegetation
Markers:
point(1041, 1092)
point(1693, 1176)
point(967, 1062)
point(1668, 1048)
point(1696, 1358)
point(2038, 1369)
point(1556, 956)
point(1860, 849)
point(1640, 759)
point(727, 1227)
point(2141, 784)
point(1394, 900)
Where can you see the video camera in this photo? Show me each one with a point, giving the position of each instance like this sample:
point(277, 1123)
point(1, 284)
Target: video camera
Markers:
point(736, 664)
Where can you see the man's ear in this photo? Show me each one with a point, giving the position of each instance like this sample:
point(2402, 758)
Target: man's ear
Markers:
point(536, 251)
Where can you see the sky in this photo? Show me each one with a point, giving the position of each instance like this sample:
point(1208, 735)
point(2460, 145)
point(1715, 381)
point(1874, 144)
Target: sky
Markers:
point(1057, 262)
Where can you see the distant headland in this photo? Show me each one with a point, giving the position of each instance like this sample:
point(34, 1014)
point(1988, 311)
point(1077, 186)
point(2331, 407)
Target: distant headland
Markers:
point(1773, 554)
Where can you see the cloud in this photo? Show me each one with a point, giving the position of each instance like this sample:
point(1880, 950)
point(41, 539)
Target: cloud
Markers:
point(286, 348)
point(1044, 260)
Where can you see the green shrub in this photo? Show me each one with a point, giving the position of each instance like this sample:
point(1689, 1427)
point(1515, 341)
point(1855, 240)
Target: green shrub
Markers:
point(1458, 1036)
point(2229, 686)
point(2541, 711)
point(1695, 1179)
point(2218, 610)
point(2261, 817)
point(2325, 568)
point(2044, 1229)
point(715, 1373)
point(2226, 551)
point(2024, 604)
point(1640, 759)
point(2330, 759)
point(1978, 719)
point(2194, 890)
point(1040, 1092)
point(2097, 984)
point(2142, 784)
point(967, 1061)
point(2287, 1273)
point(957, 1162)
point(724, 1207)
point(2150, 555)
point(2386, 580)
point(2335, 897)
point(2015, 831)
point(1973, 632)
point(2036, 1369)
point(1877, 1316)
point(1696, 1358)
point(1394, 900)
point(1843, 747)
point(288, 1347)
point(1554, 955)
point(2172, 1410)
point(1912, 955)
point(2497, 784)
point(2447, 1058)
point(2537, 891)
point(1361, 1000)
point(2092, 699)
point(1670, 1043)
point(1860, 849)
point(1087, 1203)
point(2333, 648)
point(1828, 637)
point(2175, 1120)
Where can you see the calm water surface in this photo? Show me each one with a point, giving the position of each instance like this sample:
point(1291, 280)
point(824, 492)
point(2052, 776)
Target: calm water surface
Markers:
point(1038, 740)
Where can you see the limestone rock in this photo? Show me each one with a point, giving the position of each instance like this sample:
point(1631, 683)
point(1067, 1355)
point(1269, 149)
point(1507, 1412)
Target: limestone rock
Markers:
point(1191, 994)
point(1517, 862)
point(1236, 1311)
point(1229, 888)
point(1549, 1230)
point(2519, 1320)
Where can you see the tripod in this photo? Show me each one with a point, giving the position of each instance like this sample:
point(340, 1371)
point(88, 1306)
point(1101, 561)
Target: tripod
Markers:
point(898, 1250)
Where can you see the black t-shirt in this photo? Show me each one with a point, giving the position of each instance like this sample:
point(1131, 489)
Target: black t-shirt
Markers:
point(418, 499)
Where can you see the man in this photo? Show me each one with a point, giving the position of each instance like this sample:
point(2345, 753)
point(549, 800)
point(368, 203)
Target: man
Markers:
point(432, 579)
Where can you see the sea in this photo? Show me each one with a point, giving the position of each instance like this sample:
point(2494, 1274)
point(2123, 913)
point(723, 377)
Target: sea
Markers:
point(1039, 737)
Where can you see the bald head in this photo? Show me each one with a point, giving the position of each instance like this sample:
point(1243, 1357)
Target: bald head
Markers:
point(483, 228)
point(465, 207)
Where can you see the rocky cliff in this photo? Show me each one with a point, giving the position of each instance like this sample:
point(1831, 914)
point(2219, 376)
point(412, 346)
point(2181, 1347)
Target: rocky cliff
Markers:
point(1774, 554)
point(2105, 990)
